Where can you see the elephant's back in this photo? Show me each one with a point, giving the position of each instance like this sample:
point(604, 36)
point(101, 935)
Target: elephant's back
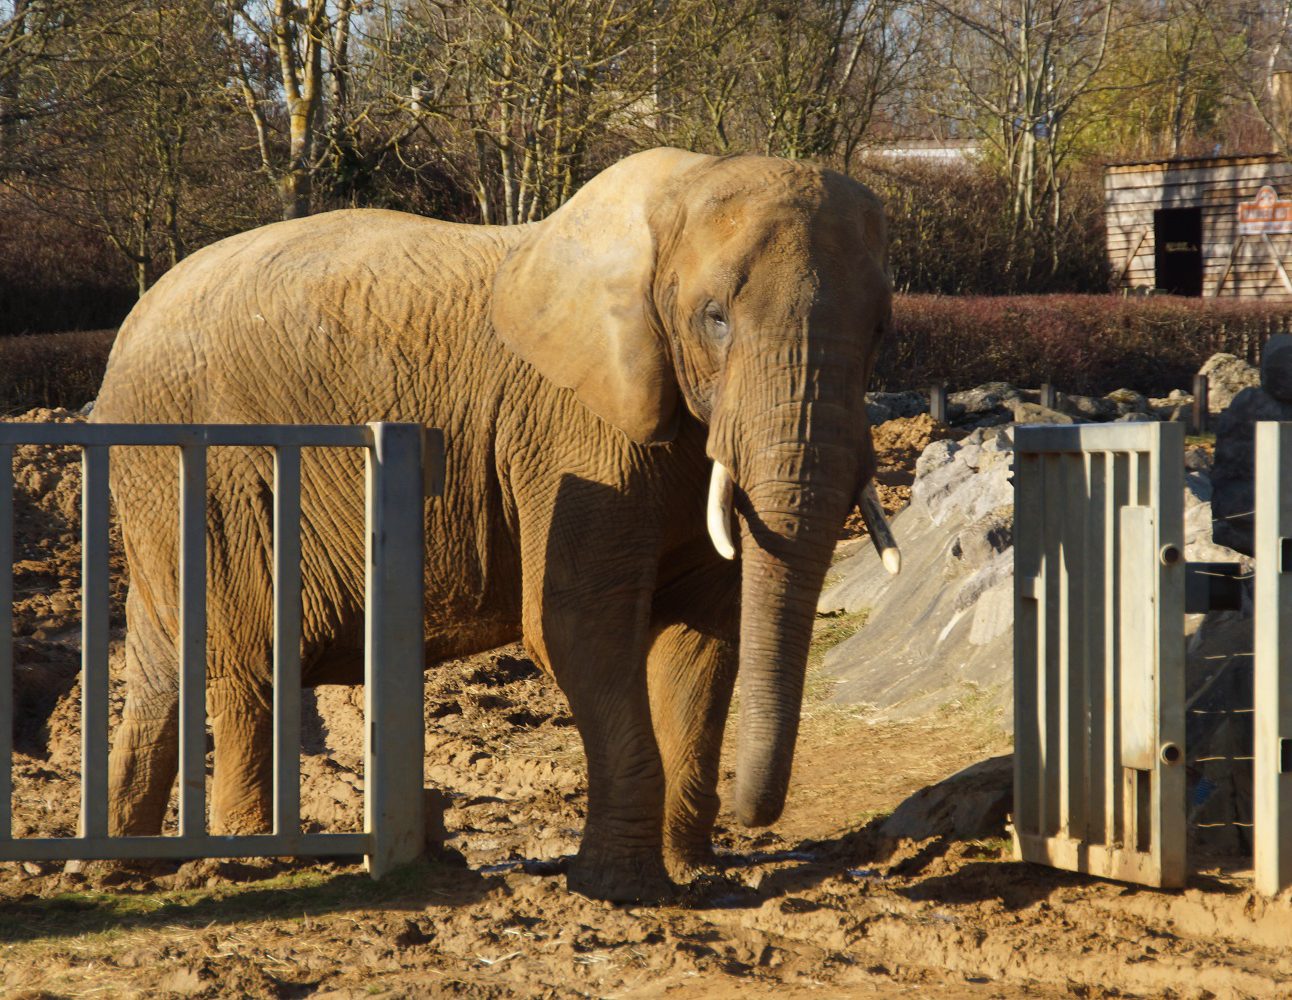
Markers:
point(297, 321)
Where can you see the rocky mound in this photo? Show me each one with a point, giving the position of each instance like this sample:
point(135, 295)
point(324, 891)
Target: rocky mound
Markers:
point(942, 631)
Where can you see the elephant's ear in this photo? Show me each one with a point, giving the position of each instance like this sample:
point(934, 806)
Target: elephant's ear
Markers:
point(574, 299)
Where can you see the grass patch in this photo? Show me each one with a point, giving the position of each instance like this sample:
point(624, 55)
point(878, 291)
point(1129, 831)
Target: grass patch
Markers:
point(831, 629)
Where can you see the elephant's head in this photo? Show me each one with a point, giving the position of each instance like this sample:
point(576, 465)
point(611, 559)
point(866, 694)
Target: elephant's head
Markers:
point(753, 292)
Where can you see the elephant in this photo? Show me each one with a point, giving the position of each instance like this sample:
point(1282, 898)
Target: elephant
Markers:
point(653, 404)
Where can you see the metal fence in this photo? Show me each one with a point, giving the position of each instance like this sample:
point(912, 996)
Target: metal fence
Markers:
point(1099, 780)
point(404, 463)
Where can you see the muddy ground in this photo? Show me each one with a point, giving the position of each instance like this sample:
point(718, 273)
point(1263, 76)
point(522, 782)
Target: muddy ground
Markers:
point(822, 904)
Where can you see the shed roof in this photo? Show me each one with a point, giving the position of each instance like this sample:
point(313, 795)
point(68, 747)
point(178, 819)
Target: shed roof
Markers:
point(1193, 163)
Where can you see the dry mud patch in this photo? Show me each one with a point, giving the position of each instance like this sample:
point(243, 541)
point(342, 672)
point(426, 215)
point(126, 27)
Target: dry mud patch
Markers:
point(820, 905)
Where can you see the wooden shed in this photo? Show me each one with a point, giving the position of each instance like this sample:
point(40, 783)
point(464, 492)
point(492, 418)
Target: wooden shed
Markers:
point(1212, 226)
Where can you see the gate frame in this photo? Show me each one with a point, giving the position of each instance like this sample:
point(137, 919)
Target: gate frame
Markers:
point(404, 464)
point(1146, 541)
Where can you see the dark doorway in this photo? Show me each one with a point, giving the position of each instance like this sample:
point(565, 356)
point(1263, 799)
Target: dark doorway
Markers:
point(1177, 234)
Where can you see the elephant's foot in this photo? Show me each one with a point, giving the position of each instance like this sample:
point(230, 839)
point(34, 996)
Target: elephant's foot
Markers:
point(638, 877)
point(691, 860)
point(242, 818)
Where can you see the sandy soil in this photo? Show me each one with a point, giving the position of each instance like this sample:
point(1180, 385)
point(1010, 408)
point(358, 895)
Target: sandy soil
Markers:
point(820, 905)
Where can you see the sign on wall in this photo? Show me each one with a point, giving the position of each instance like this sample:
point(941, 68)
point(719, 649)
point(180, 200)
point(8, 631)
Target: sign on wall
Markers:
point(1264, 215)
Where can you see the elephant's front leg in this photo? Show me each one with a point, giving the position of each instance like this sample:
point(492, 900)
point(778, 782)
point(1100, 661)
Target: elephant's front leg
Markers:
point(692, 670)
point(588, 578)
point(691, 677)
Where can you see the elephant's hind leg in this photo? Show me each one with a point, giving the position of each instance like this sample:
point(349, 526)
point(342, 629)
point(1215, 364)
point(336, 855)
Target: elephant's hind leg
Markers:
point(242, 727)
point(144, 758)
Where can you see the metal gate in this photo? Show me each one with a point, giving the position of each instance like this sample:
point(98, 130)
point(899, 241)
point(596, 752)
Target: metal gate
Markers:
point(1099, 774)
point(404, 463)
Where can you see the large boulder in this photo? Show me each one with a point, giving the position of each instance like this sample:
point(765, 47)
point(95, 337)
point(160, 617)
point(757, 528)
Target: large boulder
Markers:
point(1227, 376)
point(941, 629)
point(1234, 477)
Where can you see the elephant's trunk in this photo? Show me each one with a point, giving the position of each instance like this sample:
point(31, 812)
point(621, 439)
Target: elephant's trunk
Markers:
point(790, 526)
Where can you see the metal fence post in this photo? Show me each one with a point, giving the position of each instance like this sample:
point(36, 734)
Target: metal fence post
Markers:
point(1049, 396)
point(1201, 405)
point(1272, 746)
point(393, 648)
point(938, 402)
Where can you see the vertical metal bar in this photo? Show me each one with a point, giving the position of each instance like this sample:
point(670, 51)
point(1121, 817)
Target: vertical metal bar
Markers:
point(394, 647)
point(1272, 805)
point(6, 642)
point(192, 640)
point(1027, 542)
point(94, 641)
point(1118, 494)
point(1168, 808)
point(1073, 726)
point(287, 640)
point(1095, 645)
point(1052, 627)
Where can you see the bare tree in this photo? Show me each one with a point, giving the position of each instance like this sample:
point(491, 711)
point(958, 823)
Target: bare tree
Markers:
point(306, 41)
point(1019, 70)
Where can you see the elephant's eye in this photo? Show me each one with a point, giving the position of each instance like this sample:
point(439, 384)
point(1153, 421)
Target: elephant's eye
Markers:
point(715, 321)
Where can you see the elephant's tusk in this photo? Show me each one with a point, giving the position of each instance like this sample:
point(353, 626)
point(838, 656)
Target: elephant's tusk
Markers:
point(721, 489)
point(880, 533)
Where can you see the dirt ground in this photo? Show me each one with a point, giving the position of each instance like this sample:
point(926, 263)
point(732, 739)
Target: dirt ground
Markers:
point(821, 904)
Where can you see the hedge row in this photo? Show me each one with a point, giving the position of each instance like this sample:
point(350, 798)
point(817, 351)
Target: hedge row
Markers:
point(52, 369)
point(1080, 343)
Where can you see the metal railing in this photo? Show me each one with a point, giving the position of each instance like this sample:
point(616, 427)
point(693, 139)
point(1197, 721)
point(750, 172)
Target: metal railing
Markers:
point(1099, 650)
point(404, 463)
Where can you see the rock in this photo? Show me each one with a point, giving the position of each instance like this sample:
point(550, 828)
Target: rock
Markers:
point(1035, 413)
point(878, 414)
point(1094, 408)
point(946, 479)
point(1276, 367)
point(1227, 376)
point(993, 399)
point(1000, 569)
point(899, 404)
point(970, 805)
point(993, 614)
point(978, 543)
point(1233, 476)
point(1176, 406)
point(1135, 418)
point(1128, 401)
point(1198, 459)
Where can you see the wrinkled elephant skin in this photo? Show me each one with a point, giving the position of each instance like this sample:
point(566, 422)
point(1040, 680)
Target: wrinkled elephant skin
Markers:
point(587, 371)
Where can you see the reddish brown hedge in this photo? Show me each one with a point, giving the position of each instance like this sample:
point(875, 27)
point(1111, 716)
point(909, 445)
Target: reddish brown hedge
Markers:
point(1080, 343)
